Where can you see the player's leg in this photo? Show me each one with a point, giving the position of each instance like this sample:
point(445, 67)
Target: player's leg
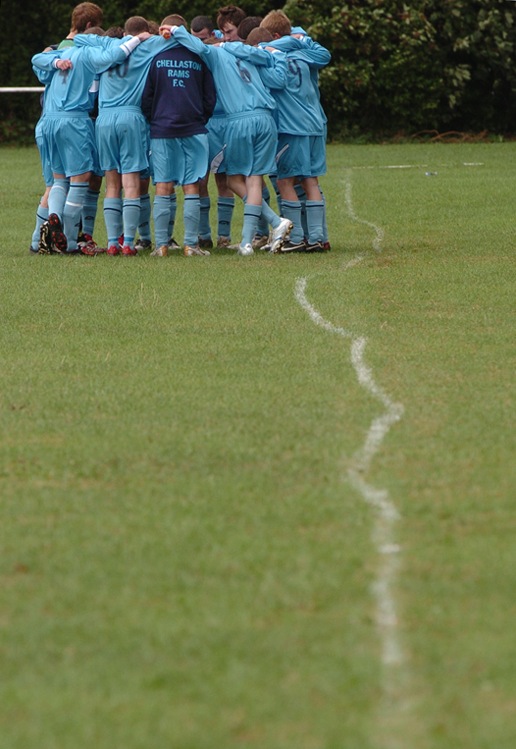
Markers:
point(205, 240)
point(41, 218)
point(130, 210)
point(192, 166)
point(225, 209)
point(144, 241)
point(79, 185)
point(314, 215)
point(113, 211)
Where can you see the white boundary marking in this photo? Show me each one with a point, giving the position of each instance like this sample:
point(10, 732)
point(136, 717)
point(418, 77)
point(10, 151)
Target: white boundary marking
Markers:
point(415, 166)
point(394, 697)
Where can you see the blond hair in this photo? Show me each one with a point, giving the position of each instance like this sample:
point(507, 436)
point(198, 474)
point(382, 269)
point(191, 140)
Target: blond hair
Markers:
point(277, 22)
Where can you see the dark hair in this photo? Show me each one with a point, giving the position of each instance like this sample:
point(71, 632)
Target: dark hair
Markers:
point(248, 24)
point(98, 30)
point(135, 25)
point(257, 35)
point(230, 14)
point(202, 22)
point(173, 20)
point(115, 32)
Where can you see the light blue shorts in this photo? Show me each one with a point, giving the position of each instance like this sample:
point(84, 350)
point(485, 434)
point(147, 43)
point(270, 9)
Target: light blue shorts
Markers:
point(121, 136)
point(183, 161)
point(217, 140)
point(301, 156)
point(251, 144)
point(46, 169)
point(70, 141)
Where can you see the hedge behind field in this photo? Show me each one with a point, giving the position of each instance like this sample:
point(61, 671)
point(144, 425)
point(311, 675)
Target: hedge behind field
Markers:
point(397, 68)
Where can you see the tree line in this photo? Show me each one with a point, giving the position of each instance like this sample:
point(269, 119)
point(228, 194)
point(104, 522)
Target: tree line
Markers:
point(397, 69)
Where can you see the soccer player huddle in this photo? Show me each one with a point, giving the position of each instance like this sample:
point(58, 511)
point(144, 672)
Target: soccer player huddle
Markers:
point(163, 103)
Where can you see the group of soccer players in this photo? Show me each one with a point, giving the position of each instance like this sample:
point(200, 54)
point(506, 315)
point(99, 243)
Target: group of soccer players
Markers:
point(172, 105)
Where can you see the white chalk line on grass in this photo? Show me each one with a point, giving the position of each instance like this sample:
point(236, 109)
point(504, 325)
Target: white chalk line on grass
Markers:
point(415, 166)
point(386, 515)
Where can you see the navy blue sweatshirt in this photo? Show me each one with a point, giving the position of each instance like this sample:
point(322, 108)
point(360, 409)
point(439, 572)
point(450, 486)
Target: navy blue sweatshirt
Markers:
point(179, 94)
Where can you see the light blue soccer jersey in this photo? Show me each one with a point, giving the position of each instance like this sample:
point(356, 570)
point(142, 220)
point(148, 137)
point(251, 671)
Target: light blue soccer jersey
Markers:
point(70, 90)
point(299, 107)
point(122, 84)
point(239, 86)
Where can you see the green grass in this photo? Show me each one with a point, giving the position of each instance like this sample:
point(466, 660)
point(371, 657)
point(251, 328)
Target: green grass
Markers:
point(184, 563)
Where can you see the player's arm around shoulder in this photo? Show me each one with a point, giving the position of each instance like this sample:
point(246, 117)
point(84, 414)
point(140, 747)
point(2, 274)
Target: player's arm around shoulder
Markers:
point(207, 52)
point(94, 40)
point(314, 53)
point(47, 61)
point(104, 57)
point(259, 56)
point(275, 75)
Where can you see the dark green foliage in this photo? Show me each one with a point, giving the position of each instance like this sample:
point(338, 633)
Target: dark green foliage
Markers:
point(404, 68)
point(396, 68)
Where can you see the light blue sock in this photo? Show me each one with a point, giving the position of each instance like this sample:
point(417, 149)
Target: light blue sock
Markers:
point(252, 215)
point(161, 216)
point(57, 196)
point(263, 224)
point(225, 208)
point(72, 212)
point(41, 216)
point(292, 211)
point(172, 216)
point(269, 215)
point(144, 229)
point(131, 217)
point(204, 223)
point(301, 194)
point(89, 211)
point(191, 216)
point(314, 220)
point(274, 182)
point(326, 236)
point(113, 219)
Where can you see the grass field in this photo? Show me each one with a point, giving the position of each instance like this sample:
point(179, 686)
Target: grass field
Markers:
point(267, 502)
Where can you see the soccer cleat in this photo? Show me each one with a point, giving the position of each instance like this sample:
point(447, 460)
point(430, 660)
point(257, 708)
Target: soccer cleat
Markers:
point(280, 234)
point(143, 244)
point(129, 251)
point(245, 249)
point(88, 248)
point(191, 251)
point(326, 246)
point(290, 246)
point(314, 247)
point(206, 244)
point(44, 244)
point(260, 241)
point(172, 244)
point(114, 249)
point(83, 239)
point(160, 251)
point(57, 238)
point(223, 241)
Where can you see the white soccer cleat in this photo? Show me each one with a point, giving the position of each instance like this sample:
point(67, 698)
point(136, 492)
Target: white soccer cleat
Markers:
point(160, 251)
point(193, 251)
point(280, 234)
point(245, 249)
